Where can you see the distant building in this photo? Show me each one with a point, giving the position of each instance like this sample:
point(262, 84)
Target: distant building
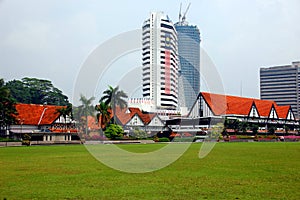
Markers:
point(282, 85)
point(210, 109)
point(160, 61)
point(189, 61)
point(44, 124)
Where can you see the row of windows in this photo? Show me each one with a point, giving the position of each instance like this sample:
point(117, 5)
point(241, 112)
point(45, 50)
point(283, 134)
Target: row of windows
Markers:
point(146, 26)
point(263, 93)
point(171, 47)
point(172, 84)
point(279, 86)
point(146, 52)
point(172, 59)
point(283, 74)
point(145, 58)
point(172, 70)
point(172, 53)
point(277, 80)
point(146, 84)
point(146, 42)
point(279, 90)
point(172, 100)
point(146, 78)
point(169, 32)
point(146, 68)
point(166, 26)
point(172, 64)
point(162, 88)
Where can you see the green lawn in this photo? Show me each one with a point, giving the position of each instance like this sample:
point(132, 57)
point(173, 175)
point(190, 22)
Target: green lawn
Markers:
point(230, 171)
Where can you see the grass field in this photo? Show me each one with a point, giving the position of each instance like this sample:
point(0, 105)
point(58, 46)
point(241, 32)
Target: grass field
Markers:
point(230, 171)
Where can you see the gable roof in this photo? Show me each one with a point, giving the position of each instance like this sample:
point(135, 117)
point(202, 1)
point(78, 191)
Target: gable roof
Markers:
point(35, 114)
point(126, 114)
point(234, 105)
point(282, 111)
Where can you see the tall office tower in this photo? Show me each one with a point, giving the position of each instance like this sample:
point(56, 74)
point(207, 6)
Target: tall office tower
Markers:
point(189, 59)
point(160, 61)
point(282, 84)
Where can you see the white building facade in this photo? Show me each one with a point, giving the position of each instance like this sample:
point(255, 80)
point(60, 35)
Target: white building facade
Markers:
point(160, 62)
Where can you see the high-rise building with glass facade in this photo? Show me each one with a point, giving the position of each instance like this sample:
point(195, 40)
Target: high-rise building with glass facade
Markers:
point(160, 61)
point(282, 85)
point(189, 61)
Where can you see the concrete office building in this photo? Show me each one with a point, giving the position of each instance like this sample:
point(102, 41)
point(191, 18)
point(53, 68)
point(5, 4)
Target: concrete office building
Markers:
point(282, 85)
point(160, 61)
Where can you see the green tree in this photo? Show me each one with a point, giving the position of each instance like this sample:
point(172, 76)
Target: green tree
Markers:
point(113, 131)
point(36, 91)
point(86, 109)
point(114, 97)
point(244, 126)
point(286, 129)
point(254, 128)
point(272, 129)
point(65, 111)
point(19, 91)
point(103, 115)
point(7, 108)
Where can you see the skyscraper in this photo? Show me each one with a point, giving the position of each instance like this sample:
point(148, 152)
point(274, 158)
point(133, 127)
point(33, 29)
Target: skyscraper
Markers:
point(160, 61)
point(282, 85)
point(189, 60)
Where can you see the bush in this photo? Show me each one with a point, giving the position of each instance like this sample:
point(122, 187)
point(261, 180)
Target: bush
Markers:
point(113, 131)
point(8, 140)
point(139, 134)
point(164, 139)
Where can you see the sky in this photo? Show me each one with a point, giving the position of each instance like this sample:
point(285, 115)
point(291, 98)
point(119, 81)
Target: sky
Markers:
point(51, 39)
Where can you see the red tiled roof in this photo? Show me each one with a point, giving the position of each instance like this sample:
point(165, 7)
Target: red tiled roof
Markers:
point(34, 114)
point(234, 105)
point(126, 114)
point(282, 111)
point(92, 123)
point(264, 107)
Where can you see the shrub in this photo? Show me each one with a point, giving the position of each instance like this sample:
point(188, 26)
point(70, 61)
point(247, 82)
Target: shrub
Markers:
point(164, 139)
point(113, 131)
point(8, 140)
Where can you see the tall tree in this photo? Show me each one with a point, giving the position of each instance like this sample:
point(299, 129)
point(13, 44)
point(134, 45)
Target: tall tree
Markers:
point(36, 91)
point(103, 115)
point(87, 109)
point(7, 107)
point(114, 97)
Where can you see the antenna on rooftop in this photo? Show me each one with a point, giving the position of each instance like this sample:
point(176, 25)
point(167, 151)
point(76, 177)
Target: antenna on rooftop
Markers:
point(184, 15)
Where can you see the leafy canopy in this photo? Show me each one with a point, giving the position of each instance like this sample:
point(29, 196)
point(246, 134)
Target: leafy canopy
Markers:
point(113, 131)
point(7, 107)
point(36, 91)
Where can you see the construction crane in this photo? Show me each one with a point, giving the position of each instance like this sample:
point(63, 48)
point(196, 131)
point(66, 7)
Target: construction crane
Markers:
point(180, 12)
point(183, 17)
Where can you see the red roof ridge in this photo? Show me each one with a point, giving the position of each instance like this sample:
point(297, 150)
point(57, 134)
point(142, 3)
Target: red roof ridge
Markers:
point(37, 114)
point(222, 104)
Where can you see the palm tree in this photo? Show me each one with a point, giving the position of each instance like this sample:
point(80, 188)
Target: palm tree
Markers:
point(87, 109)
point(114, 97)
point(103, 112)
point(65, 111)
